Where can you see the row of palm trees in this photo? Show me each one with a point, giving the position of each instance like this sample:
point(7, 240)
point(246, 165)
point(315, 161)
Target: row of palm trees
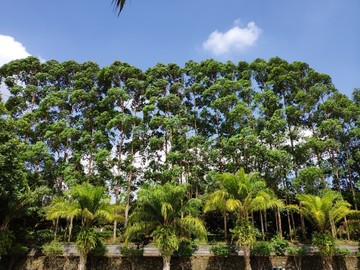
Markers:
point(166, 215)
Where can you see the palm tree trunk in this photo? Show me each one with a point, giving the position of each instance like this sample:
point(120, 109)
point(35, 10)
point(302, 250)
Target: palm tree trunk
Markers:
point(82, 261)
point(56, 228)
point(70, 229)
point(266, 224)
point(246, 250)
point(327, 262)
point(114, 231)
point(166, 262)
point(262, 225)
point(225, 227)
point(346, 228)
point(303, 230)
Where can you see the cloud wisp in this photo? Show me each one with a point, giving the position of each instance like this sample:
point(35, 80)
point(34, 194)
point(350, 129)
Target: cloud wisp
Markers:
point(236, 39)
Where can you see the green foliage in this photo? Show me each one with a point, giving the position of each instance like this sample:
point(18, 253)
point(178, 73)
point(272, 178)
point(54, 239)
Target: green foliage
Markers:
point(66, 125)
point(18, 249)
point(342, 252)
point(131, 251)
point(166, 240)
point(53, 248)
point(279, 245)
point(325, 243)
point(99, 249)
point(293, 251)
point(261, 248)
point(165, 213)
point(324, 210)
point(244, 234)
point(6, 241)
point(38, 237)
point(86, 240)
point(221, 250)
point(186, 249)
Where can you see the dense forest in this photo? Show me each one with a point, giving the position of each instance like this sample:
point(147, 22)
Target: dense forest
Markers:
point(267, 148)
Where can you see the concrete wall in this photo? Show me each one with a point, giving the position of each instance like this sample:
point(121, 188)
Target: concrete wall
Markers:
point(193, 263)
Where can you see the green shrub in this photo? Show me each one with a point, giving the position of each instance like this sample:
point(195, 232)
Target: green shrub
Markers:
point(293, 251)
point(261, 248)
point(342, 252)
point(221, 250)
point(279, 245)
point(52, 249)
point(99, 250)
point(131, 251)
point(325, 243)
point(186, 249)
point(6, 240)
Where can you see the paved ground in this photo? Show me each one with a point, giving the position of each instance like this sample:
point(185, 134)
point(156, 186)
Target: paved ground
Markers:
point(203, 250)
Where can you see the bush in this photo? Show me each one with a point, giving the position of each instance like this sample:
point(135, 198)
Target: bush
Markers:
point(6, 240)
point(221, 250)
point(279, 245)
point(325, 243)
point(261, 248)
point(342, 252)
point(52, 249)
point(131, 251)
point(293, 251)
point(99, 250)
point(186, 249)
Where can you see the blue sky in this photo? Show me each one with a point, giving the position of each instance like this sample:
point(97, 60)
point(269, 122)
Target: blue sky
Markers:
point(323, 33)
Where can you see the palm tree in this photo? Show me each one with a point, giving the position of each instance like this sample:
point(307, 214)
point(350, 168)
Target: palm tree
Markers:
point(164, 213)
point(324, 212)
point(267, 199)
point(88, 203)
point(240, 193)
point(119, 5)
point(62, 207)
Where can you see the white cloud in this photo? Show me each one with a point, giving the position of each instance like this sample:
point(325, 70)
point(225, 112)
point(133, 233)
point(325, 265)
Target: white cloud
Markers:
point(236, 39)
point(10, 49)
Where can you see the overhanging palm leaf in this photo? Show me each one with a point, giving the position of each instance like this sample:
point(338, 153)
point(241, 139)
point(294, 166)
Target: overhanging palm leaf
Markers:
point(119, 5)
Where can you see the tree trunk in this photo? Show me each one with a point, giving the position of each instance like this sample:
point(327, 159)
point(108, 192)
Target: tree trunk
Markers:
point(166, 262)
point(117, 191)
point(70, 228)
point(279, 221)
point(246, 250)
point(327, 262)
point(56, 228)
point(225, 227)
point(128, 194)
point(262, 225)
point(303, 230)
point(289, 224)
point(82, 261)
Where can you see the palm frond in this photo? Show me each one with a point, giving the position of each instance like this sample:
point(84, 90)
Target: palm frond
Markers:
point(119, 5)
